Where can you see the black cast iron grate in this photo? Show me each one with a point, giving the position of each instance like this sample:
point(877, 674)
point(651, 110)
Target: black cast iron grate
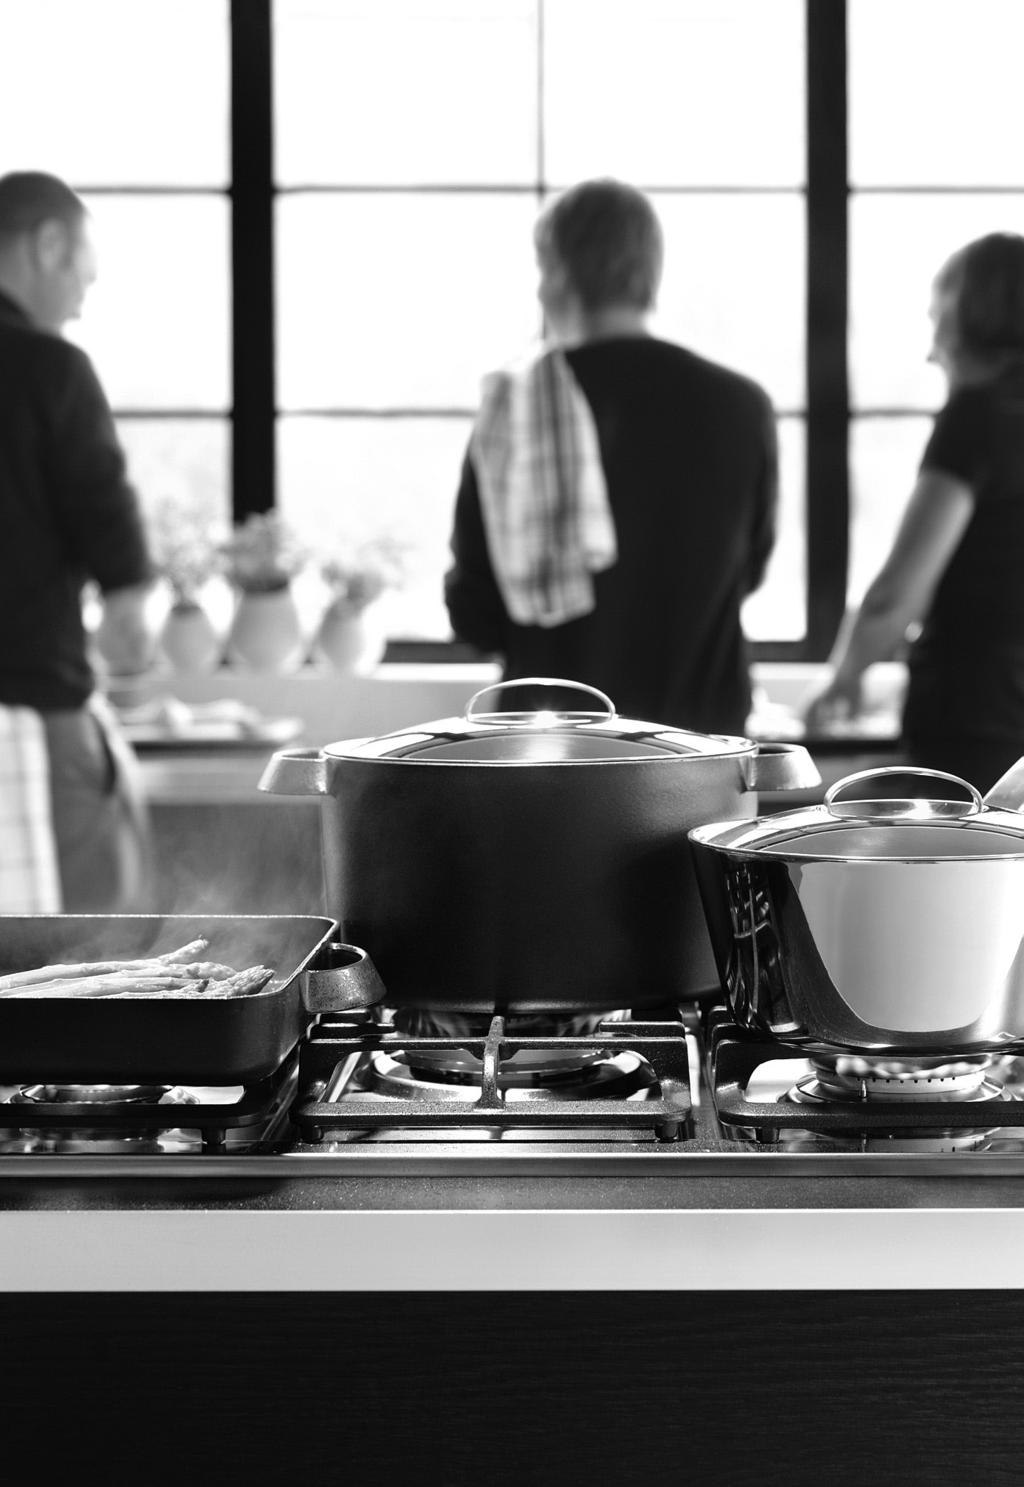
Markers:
point(339, 1048)
point(260, 1108)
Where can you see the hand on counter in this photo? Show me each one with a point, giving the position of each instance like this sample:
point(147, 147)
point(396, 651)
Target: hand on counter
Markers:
point(837, 705)
point(809, 722)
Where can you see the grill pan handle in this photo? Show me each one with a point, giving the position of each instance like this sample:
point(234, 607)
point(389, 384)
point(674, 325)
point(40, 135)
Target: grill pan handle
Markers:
point(344, 978)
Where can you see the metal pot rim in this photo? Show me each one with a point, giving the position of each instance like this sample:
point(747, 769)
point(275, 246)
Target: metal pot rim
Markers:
point(591, 734)
point(426, 745)
point(791, 836)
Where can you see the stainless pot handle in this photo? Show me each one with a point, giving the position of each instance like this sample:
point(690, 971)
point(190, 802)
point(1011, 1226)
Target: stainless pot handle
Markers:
point(347, 980)
point(782, 766)
point(295, 772)
point(918, 808)
point(608, 706)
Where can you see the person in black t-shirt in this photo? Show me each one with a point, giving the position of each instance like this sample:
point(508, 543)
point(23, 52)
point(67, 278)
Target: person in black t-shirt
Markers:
point(956, 562)
point(687, 452)
point(68, 515)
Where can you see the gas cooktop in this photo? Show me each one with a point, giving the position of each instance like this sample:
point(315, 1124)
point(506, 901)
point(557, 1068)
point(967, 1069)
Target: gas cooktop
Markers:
point(689, 1092)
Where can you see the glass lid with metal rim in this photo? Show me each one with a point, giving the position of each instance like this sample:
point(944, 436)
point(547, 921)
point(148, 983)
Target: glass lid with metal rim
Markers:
point(539, 735)
point(879, 827)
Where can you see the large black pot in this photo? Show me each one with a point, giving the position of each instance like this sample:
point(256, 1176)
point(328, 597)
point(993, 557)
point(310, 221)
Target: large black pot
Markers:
point(529, 862)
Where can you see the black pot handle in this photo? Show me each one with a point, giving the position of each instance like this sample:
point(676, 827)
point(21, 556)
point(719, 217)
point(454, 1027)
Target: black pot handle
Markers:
point(344, 978)
point(782, 766)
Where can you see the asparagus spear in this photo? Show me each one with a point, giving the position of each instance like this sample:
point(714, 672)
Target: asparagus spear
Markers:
point(147, 965)
point(103, 986)
point(239, 983)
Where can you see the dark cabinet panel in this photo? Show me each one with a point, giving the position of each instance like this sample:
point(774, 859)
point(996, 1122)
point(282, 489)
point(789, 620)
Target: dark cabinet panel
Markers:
point(450, 1390)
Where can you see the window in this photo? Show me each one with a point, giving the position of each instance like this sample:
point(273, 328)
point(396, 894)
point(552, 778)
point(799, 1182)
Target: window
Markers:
point(315, 217)
point(934, 161)
point(142, 132)
point(414, 143)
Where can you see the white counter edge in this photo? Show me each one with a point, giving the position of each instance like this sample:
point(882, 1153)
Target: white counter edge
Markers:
point(514, 1250)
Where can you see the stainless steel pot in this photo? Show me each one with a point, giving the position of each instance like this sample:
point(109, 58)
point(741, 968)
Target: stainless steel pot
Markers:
point(874, 925)
point(529, 862)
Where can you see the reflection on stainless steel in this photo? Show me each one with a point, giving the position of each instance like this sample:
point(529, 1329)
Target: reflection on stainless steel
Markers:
point(872, 926)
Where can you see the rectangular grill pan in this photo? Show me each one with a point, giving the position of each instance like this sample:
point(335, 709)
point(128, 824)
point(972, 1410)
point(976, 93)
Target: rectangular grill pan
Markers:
point(157, 1039)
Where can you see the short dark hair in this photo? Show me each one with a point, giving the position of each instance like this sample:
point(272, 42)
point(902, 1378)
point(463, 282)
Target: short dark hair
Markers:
point(28, 198)
point(986, 282)
point(607, 239)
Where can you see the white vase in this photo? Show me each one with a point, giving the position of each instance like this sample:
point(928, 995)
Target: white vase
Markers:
point(351, 640)
point(188, 638)
point(265, 632)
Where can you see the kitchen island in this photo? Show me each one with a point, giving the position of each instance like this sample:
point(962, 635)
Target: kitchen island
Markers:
point(460, 1330)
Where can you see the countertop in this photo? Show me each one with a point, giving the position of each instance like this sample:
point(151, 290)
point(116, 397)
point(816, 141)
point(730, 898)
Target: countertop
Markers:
point(332, 707)
point(511, 1234)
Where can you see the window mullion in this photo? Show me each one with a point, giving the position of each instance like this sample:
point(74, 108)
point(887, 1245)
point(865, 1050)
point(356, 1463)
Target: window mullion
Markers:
point(252, 258)
point(828, 478)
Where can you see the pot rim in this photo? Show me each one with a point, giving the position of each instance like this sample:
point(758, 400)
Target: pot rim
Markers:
point(771, 836)
point(427, 743)
point(411, 746)
point(782, 843)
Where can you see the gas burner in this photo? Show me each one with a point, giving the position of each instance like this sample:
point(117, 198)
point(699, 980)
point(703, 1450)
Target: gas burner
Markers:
point(42, 1099)
point(147, 1119)
point(766, 1091)
point(494, 1077)
point(453, 1066)
point(458, 1076)
point(102, 1094)
point(854, 1079)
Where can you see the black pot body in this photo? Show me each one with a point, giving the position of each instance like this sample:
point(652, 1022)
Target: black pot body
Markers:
point(549, 887)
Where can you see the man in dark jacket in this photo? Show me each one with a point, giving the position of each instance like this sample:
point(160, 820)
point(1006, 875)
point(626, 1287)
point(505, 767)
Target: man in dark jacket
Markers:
point(68, 515)
point(688, 453)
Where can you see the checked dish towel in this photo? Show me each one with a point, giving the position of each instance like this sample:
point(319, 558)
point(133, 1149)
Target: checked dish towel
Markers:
point(29, 874)
point(543, 496)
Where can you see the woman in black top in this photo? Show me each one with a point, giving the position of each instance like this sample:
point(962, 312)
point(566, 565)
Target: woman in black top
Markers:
point(956, 567)
point(688, 451)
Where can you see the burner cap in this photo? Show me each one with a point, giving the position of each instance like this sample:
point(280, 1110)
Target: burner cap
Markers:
point(853, 1079)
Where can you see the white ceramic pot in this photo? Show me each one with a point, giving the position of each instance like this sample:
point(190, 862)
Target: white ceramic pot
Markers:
point(351, 640)
point(189, 639)
point(265, 633)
